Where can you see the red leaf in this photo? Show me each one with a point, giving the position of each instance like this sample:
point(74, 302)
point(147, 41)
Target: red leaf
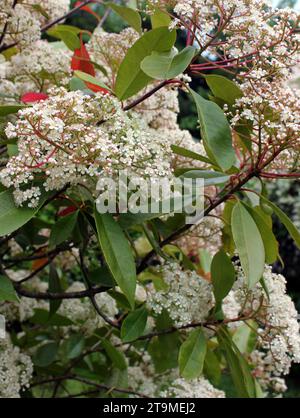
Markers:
point(32, 97)
point(87, 9)
point(81, 60)
point(67, 211)
point(95, 88)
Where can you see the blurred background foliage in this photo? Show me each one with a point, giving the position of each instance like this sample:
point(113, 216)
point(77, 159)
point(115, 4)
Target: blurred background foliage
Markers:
point(285, 193)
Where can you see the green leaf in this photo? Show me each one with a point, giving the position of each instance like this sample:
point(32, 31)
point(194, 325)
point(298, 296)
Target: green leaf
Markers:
point(210, 177)
point(130, 78)
point(41, 317)
point(159, 18)
point(164, 349)
point(239, 369)
point(245, 337)
point(223, 88)
point(189, 154)
point(90, 79)
point(167, 65)
point(192, 355)
point(9, 109)
point(131, 16)
point(249, 244)
point(215, 131)
point(117, 253)
point(115, 355)
point(222, 275)
point(270, 242)
point(13, 217)
point(7, 291)
point(76, 84)
point(62, 229)
point(45, 355)
point(68, 34)
point(291, 228)
point(212, 368)
point(74, 346)
point(134, 325)
point(54, 287)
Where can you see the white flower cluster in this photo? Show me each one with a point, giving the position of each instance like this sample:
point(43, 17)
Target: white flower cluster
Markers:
point(109, 50)
point(263, 370)
point(83, 314)
point(15, 370)
point(22, 20)
point(197, 388)
point(277, 318)
point(143, 379)
point(273, 109)
point(248, 28)
point(74, 138)
point(187, 298)
point(36, 68)
point(41, 62)
point(206, 234)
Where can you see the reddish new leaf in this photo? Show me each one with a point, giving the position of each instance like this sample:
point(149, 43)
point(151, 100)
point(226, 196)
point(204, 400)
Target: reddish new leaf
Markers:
point(87, 9)
point(32, 97)
point(67, 211)
point(81, 61)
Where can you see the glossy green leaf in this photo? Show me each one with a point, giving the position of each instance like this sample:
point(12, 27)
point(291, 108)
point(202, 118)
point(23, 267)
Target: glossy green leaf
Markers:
point(239, 369)
point(210, 177)
point(7, 291)
point(9, 109)
point(134, 325)
point(167, 65)
point(164, 349)
point(192, 355)
point(41, 317)
point(68, 35)
point(62, 229)
point(130, 78)
point(245, 337)
point(270, 242)
point(222, 275)
point(215, 131)
point(159, 18)
point(117, 253)
point(249, 244)
point(13, 217)
point(90, 79)
point(291, 228)
point(223, 88)
point(54, 287)
point(74, 346)
point(45, 355)
point(131, 16)
point(189, 154)
point(116, 356)
point(212, 368)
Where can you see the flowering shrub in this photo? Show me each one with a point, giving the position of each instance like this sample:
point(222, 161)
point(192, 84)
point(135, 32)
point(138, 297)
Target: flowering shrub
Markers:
point(144, 304)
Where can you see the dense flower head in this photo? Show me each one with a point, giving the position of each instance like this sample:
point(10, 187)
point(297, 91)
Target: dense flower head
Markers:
point(197, 388)
point(277, 318)
point(250, 33)
point(187, 297)
point(16, 369)
point(73, 138)
point(109, 49)
point(22, 20)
